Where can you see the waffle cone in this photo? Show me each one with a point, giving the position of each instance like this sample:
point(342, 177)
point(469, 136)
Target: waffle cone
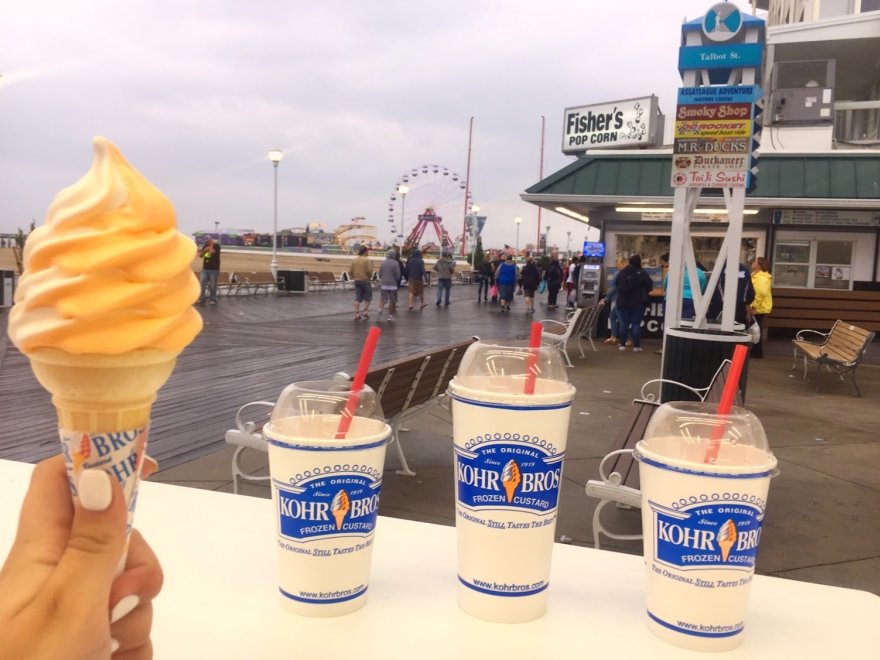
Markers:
point(102, 393)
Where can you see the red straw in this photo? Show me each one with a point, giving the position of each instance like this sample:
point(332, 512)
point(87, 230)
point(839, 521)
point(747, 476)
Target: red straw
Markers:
point(532, 368)
point(358, 383)
point(727, 396)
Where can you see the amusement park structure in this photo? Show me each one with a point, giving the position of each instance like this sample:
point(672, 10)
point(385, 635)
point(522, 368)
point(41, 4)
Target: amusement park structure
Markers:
point(355, 233)
point(426, 220)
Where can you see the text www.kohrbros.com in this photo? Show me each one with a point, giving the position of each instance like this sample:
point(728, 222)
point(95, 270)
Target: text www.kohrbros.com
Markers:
point(509, 588)
point(328, 595)
point(701, 627)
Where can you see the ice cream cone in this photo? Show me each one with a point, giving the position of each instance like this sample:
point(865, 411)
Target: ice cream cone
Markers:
point(103, 403)
point(340, 518)
point(726, 538)
point(510, 478)
point(339, 507)
point(96, 393)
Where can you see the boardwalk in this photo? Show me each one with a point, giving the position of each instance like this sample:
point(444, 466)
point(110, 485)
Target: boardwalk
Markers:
point(250, 348)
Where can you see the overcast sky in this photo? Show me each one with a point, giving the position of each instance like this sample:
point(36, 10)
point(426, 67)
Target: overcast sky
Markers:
point(355, 92)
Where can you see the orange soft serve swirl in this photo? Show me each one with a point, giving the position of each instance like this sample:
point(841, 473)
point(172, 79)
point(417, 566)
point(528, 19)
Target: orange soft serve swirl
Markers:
point(108, 272)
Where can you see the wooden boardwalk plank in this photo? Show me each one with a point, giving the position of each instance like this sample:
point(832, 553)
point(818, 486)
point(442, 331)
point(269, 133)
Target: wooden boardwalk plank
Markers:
point(250, 349)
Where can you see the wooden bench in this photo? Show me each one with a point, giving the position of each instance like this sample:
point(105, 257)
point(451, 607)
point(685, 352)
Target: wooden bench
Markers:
point(820, 308)
point(618, 472)
point(405, 387)
point(252, 283)
point(841, 350)
point(580, 323)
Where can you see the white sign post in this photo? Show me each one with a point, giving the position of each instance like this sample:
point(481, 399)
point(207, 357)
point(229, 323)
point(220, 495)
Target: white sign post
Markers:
point(708, 151)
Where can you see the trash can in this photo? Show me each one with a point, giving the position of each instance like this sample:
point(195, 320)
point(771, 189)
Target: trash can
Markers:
point(292, 281)
point(693, 355)
point(8, 279)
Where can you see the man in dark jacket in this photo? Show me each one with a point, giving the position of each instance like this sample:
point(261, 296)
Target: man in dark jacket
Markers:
point(633, 286)
point(554, 281)
point(529, 280)
point(485, 278)
point(415, 276)
point(745, 293)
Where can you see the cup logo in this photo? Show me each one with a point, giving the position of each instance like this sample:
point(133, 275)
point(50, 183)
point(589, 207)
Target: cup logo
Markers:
point(508, 471)
point(341, 505)
point(510, 478)
point(324, 503)
point(708, 535)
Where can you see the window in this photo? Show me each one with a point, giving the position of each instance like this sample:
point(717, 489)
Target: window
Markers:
point(814, 264)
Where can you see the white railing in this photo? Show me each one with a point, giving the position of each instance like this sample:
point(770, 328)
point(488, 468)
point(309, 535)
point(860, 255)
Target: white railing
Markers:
point(857, 123)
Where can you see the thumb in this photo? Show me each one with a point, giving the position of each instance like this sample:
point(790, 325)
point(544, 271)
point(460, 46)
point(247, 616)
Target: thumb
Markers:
point(97, 538)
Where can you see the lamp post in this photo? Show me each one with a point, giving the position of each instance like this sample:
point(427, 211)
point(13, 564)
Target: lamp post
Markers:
point(403, 190)
point(518, 222)
point(217, 230)
point(547, 241)
point(275, 155)
point(568, 244)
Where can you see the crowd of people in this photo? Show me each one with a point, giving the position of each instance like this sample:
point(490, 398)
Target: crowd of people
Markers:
point(499, 279)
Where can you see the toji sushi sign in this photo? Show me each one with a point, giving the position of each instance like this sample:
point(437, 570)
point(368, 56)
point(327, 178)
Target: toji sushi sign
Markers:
point(628, 123)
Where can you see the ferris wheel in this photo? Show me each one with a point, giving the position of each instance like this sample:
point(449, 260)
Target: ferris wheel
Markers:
point(429, 190)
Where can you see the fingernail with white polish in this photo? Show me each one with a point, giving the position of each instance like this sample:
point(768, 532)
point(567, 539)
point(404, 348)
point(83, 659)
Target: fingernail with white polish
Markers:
point(95, 490)
point(123, 607)
point(114, 646)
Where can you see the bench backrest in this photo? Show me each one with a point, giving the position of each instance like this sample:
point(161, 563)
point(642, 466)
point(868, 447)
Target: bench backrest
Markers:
point(716, 385)
point(630, 433)
point(414, 380)
point(587, 320)
point(847, 342)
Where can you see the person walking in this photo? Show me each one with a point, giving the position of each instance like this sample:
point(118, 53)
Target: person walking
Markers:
point(361, 272)
point(389, 283)
point(496, 262)
point(485, 279)
point(610, 301)
point(553, 277)
point(633, 286)
point(505, 278)
point(444, 267)
point(763, 304)
point(210, 255)
point(688, 311)
point(530, 278)
point(571, 282)
point(415, 271)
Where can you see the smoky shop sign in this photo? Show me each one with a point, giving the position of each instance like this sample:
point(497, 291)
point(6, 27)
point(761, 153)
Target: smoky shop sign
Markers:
point(633, 122)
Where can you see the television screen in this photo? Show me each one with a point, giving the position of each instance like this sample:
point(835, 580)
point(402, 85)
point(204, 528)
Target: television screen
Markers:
point(594, 249)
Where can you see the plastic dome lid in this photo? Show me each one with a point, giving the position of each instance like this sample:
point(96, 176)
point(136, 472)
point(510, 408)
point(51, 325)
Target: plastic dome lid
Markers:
point(684, 432)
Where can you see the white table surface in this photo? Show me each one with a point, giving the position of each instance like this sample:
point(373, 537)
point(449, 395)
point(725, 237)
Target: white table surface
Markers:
point(220, 597)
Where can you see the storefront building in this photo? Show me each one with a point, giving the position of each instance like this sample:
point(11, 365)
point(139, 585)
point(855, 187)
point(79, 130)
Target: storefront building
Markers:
point(815, 211)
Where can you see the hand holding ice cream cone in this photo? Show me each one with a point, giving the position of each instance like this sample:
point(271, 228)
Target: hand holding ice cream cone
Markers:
point(103, 309)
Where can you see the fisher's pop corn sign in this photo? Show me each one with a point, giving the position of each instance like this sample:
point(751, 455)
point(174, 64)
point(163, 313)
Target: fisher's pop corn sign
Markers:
point(628, 123)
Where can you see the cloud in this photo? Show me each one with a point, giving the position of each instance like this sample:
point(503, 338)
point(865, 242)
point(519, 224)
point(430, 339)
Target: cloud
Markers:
point(356, 94)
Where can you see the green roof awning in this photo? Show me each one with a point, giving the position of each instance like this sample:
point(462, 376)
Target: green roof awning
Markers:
point(846, 175)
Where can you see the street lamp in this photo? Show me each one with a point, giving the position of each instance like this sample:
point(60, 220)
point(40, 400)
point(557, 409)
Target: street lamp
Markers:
point(547, 241)
point(518, 221)
point(275, 155)
point(217, 230)
point(403, 190)
point(568, 244)
point(474, 210)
